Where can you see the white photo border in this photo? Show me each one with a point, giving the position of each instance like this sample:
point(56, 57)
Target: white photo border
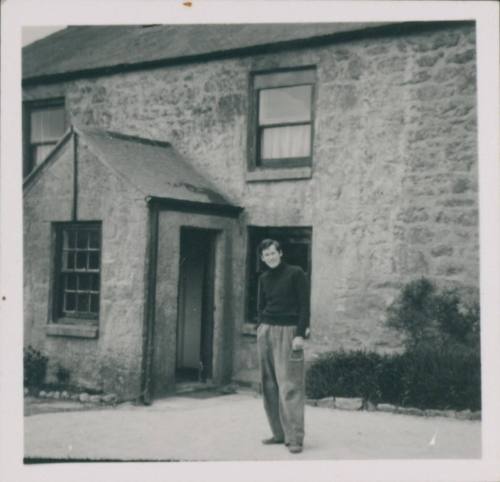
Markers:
point(18, 13)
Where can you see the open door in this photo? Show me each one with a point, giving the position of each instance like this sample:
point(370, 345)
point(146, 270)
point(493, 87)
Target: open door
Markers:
point(195, 311)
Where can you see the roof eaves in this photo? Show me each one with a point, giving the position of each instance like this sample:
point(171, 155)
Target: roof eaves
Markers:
point(195, 207)
point(140, 140)
point(372, 29)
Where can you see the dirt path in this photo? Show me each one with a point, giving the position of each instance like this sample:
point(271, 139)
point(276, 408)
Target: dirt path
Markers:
point(230, 428)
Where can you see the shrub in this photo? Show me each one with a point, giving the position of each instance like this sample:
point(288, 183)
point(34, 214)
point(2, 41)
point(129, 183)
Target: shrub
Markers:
point(412, 312)
point(421, 378)
point(449, 378)
point(35, 367)
point(345, 374)
point(435, 317)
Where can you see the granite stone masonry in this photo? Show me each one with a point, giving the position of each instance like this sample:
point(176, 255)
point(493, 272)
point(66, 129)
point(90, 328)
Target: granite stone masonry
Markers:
point(392, 194)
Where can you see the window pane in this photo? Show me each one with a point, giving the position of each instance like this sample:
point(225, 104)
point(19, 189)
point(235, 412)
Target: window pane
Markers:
point(94, 303)
point(297, 254)
point(71, 282)
point(71, 237)
point(95, 282)
point(81, 260)
point(285, 142)
point(94, 239)
point(82, 240)
point(83, 282)
point(83, 302)
point(94, 260)
point(69, 260)
point(47, 124)
point(285, 79)
point(36, 125)
point(285, 105)
point(69, 304)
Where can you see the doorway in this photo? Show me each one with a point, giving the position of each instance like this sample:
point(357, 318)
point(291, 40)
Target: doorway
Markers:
point(195, 323)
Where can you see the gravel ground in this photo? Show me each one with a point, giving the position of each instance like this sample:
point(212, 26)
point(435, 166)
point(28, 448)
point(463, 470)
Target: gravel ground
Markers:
point(230, 428)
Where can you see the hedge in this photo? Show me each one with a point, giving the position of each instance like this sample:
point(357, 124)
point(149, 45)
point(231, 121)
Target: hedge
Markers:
point(425, 378)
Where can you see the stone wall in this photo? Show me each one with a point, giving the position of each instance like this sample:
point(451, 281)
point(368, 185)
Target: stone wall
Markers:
point(393, 195)
point(112, 361)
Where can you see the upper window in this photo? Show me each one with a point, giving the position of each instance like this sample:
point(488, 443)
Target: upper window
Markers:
point(78, 277)
point(296, 245)
point(44, 125)
point(283, 106)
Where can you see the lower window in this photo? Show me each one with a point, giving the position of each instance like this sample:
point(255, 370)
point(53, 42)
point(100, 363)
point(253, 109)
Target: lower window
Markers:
point(78, 273)
point(296, 245)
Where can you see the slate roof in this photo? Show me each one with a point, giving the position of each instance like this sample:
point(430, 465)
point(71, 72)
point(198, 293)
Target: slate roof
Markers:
point(155, 168)
point(80, 49)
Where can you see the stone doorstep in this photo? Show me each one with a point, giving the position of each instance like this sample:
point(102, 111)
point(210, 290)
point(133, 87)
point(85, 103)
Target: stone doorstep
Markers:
point(357, 404)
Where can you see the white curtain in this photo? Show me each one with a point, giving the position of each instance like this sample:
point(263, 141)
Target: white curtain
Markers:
point(286, 142)
point(47, 124)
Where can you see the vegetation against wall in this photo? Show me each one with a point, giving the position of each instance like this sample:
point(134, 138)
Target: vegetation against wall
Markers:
point(35, 367)
point(440, 367)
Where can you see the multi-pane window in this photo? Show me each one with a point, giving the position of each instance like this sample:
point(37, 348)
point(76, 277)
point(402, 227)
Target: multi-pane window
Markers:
point(284, 118)
point(45, 123)
point(296, 245)
point(79, 276)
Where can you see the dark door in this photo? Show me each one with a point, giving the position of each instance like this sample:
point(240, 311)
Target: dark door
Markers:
point(195, 319)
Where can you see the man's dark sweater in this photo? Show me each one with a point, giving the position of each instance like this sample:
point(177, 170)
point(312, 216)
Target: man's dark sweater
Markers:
point(283, 297)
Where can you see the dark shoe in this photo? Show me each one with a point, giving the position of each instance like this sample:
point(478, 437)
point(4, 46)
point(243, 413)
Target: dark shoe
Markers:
point(273, 441)
point(295, 449)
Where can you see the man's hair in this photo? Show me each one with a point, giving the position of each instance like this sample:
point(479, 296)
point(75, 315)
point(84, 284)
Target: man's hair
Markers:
point(267, 243)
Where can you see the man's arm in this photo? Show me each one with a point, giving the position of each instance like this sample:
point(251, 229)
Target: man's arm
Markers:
point(302, 294)
point(261, 300)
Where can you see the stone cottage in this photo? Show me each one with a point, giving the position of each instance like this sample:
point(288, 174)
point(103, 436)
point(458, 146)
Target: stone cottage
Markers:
point(157, 157)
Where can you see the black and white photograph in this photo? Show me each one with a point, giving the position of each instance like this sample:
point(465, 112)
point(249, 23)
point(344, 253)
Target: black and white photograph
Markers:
point(252, 239)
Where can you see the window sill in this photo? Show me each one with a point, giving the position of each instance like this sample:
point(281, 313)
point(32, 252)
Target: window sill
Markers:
point(74, 331)
point(249, 329)
point(279, 174)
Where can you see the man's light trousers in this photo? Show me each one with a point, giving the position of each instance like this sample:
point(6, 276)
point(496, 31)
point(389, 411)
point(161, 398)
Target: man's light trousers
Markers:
point(282, 376)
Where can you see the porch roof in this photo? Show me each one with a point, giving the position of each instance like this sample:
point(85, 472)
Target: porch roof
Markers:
point(153, 167)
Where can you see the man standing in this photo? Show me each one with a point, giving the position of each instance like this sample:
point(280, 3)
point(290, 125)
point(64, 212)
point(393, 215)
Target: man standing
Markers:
point(283, 306)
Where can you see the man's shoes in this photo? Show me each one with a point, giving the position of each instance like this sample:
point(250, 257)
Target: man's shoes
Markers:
point(273, 441)
point(295, 449)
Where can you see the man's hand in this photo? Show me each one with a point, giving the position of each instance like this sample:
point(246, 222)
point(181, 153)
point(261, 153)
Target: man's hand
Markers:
point(298, 343)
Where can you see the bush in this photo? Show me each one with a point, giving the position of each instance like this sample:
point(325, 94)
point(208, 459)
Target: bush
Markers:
point(435, 317)
point(345, 374)
point(421, 378)
point(35, 367)
point(449, 378)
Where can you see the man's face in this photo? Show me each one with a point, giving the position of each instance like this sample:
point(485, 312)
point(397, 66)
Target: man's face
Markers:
point(271, 256)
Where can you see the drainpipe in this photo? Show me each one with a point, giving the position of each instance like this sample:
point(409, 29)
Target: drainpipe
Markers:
point(74, 209)
point(150, 298)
